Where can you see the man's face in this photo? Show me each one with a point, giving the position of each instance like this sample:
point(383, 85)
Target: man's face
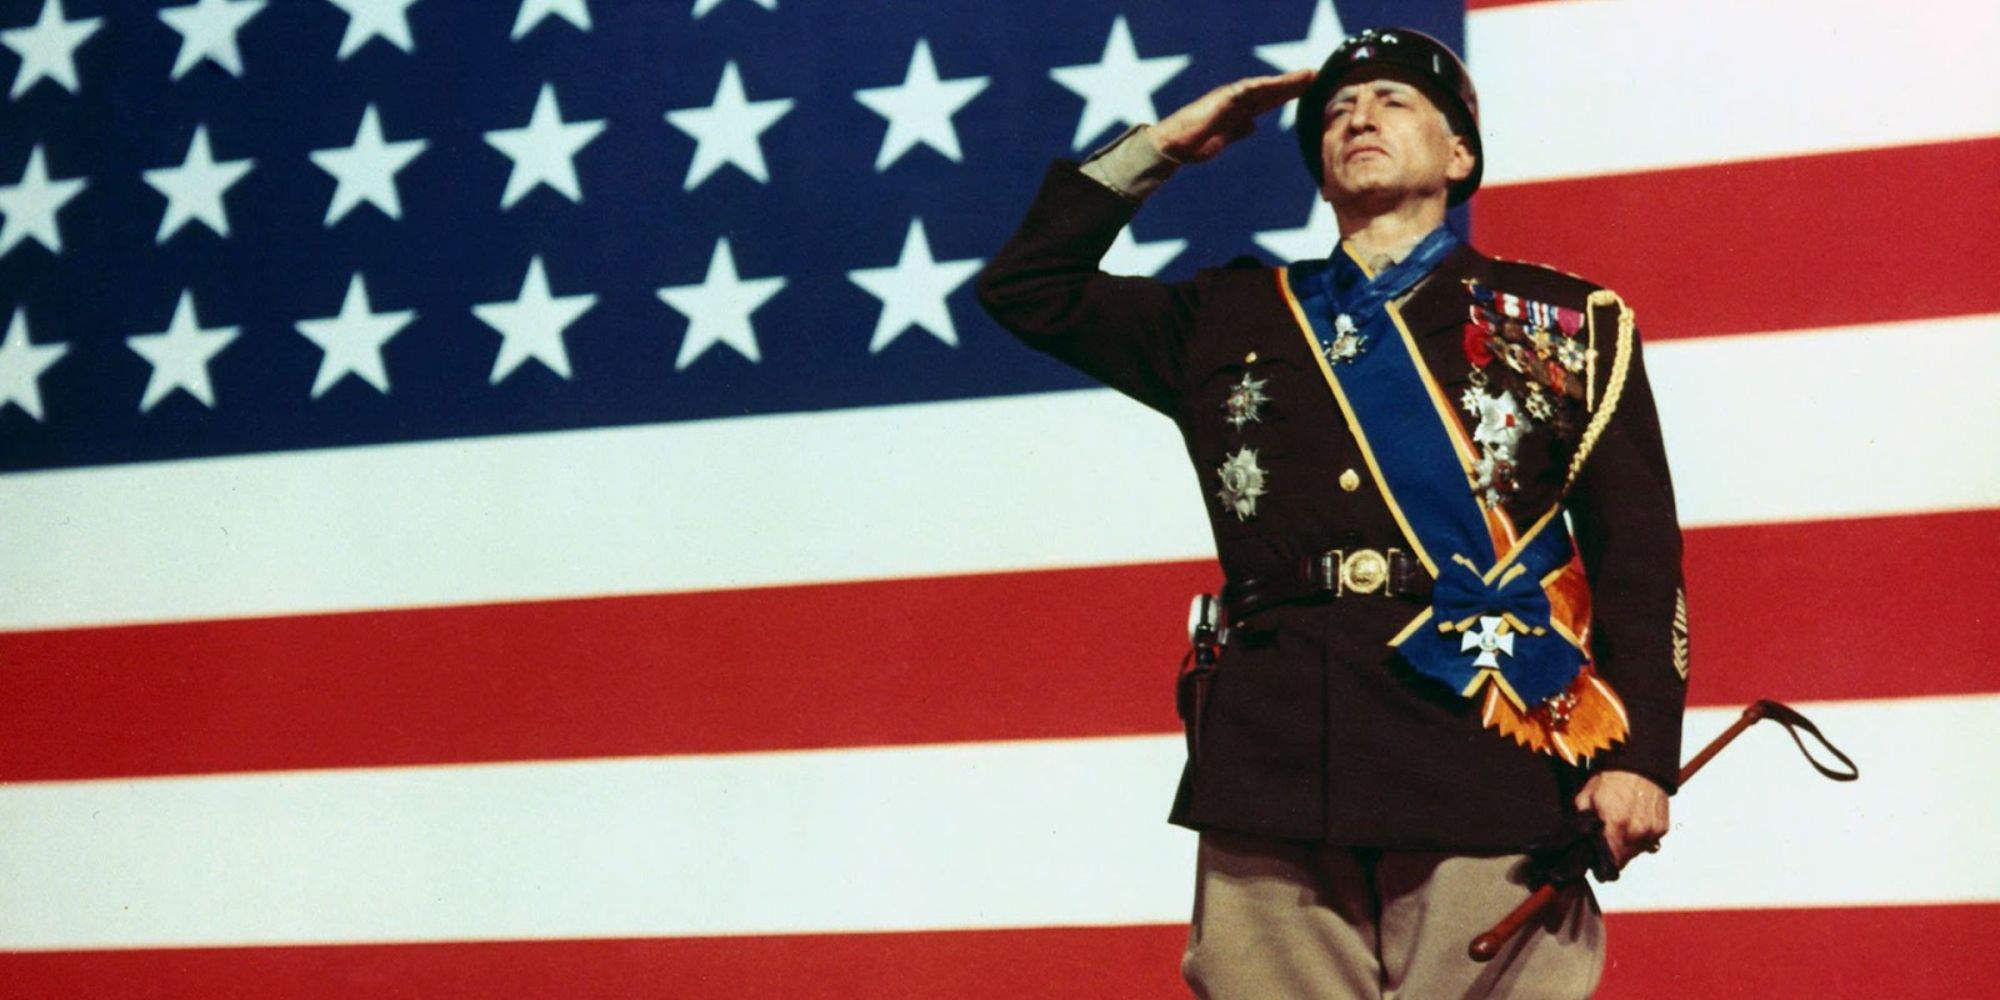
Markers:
point(1386, 143)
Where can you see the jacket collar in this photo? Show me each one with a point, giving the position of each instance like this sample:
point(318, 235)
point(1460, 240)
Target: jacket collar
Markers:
point(1440, 302)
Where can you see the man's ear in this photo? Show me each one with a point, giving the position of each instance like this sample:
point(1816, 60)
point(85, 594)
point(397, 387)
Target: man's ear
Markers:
point(1462, 160)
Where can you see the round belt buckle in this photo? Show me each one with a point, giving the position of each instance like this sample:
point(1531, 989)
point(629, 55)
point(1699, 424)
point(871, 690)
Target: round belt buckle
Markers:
point(1364, 571)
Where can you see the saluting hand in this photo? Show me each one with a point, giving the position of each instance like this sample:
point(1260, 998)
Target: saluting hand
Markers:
point(1196, 133)
point(1633, 808)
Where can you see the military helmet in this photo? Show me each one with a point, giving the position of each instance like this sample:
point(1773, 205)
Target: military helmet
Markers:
point(1428, 63)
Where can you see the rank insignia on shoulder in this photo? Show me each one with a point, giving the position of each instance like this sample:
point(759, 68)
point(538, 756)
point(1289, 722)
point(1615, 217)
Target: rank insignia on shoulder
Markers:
point(1242, 483)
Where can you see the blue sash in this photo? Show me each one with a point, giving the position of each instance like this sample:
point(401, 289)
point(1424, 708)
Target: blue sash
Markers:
point(1489, 618)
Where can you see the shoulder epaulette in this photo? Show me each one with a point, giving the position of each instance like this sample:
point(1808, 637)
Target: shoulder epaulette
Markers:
point(1553, 282)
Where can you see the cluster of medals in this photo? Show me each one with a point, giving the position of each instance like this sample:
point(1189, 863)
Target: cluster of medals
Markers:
point(1241, 477)
point(1532, 365)
point(1541, 360)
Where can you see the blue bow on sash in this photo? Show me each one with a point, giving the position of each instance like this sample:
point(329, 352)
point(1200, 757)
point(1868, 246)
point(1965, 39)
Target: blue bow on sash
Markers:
point(1539, 663)
point(1476, 630)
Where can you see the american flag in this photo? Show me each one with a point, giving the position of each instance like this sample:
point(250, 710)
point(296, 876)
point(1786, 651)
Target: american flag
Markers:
point(514, 497)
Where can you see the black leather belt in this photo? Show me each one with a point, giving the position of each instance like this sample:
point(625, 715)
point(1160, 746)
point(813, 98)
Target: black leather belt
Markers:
point(1336, 573)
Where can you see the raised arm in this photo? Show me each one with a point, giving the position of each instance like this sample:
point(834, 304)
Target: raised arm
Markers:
point(1044, 285)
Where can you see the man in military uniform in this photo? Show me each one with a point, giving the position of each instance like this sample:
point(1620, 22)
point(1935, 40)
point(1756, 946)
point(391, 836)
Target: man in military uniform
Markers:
point(1454, 622)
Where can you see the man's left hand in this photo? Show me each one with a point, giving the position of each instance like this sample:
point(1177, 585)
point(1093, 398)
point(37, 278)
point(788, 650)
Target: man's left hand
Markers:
point(1634, 811)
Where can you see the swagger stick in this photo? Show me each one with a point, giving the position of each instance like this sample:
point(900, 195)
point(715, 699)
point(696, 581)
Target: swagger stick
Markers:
point(1577, 858)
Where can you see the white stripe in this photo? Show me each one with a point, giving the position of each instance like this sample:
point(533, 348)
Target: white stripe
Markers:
point(1758, 828)
point(1588, 87)
point(967, 836)
point(1843, 423)
point(958, 836)
point(1786, 427)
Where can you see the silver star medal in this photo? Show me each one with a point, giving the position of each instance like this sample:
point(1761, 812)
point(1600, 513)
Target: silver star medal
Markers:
point(1491, 640)
point(1501, 426)
point(1538, 403)
point(1242, 483)
point(1571, 355)
point(1346, 345)
point(1246, 401)
point(1471, 399)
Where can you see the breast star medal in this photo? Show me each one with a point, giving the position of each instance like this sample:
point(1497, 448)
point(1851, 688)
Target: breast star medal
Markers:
point(1242, 483)
point(1245, 403)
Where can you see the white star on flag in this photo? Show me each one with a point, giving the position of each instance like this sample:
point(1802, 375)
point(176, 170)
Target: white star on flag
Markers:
point(728, 131)
point(702, 7)
point(1128, 256)
point(913, 292)
point(920, 108)
point(532, 325)
point(544, 150)
point(1118, 88)
point(352, 341)
point(366, 170)
point(31, 203)
point(194, 189)
point(180, 356)
point(208, 31)
point(1322, 36)
point(1314, 240)
point(534, 12)
point(22, 365)
point(48, 48)
point(718, 310)
point(388, 20)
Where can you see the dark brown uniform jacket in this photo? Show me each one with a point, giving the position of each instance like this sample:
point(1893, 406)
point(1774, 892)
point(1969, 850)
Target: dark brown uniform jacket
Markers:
point(1315, 730)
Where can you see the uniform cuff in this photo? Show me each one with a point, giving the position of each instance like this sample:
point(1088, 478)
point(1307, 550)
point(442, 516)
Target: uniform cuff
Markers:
point(1131, 165)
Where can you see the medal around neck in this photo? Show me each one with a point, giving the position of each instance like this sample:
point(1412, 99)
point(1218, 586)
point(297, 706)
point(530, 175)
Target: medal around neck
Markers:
point(1346, 344)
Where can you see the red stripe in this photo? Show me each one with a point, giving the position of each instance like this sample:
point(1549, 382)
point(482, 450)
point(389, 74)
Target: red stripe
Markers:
point(1844, 609)
point(1483, 4)
point(1874, 608)
point(1798, 243)
point(1916, 953)
point(1909, 952)
point(1047, 964)
point(902, 662)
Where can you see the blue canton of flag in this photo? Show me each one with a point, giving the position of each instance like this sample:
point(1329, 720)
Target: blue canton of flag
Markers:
point(238, 226)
